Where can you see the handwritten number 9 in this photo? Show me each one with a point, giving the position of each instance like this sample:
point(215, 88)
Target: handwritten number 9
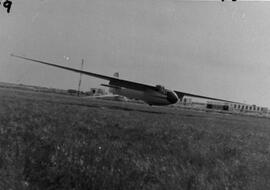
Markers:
point(7, 4)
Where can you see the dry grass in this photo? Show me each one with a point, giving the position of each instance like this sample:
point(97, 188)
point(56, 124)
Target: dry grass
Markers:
point(59, 142)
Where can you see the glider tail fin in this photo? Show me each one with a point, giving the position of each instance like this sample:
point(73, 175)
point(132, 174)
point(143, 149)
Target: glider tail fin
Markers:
point(116, 74)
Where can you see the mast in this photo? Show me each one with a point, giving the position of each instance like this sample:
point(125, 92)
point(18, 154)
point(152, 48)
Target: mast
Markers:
point(80, 80)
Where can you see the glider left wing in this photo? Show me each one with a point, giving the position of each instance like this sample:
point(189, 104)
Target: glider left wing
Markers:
point(113, 81)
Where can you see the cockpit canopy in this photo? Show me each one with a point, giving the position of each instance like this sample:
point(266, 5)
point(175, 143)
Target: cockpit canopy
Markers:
point(161, 89)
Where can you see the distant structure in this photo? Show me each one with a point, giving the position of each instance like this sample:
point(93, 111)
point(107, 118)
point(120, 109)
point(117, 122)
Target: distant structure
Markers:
point(248, 108)
point(217, 105)
point(237, 107)
point(74, 92)
point(97, 91)
point(224, 106)
point(91, 92)
point(187, 101)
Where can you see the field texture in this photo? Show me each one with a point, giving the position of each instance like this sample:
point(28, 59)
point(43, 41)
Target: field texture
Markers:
point(50, 141)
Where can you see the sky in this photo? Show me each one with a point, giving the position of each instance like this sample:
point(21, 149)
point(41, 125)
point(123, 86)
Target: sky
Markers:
point(209, 48)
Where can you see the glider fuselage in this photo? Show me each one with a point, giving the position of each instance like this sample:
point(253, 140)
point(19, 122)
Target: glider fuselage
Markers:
point(151, 97)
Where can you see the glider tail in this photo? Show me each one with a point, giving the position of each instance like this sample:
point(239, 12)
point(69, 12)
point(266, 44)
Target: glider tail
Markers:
point(116, 75)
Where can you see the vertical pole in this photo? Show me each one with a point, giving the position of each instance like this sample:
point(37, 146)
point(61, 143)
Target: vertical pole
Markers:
point(80, 81)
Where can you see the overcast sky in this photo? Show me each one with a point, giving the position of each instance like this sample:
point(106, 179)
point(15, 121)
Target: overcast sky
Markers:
point(208, 48)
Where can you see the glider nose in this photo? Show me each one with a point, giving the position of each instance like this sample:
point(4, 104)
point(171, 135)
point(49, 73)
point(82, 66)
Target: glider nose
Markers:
point(172, 97)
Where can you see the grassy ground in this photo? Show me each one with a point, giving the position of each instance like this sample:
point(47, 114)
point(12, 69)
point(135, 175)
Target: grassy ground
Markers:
point(52, 141)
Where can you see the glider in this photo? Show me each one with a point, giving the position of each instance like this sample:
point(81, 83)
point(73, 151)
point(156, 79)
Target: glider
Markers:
point(152, 95)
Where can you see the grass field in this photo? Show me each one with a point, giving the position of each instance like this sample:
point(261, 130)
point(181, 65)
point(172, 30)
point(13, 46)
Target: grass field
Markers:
point(50, 141)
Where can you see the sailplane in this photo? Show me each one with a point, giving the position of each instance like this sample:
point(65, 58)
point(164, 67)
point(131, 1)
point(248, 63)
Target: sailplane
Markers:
point(152, 95)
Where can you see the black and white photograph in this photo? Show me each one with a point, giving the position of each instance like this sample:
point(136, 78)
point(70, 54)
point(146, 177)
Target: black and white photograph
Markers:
point(134, 95)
